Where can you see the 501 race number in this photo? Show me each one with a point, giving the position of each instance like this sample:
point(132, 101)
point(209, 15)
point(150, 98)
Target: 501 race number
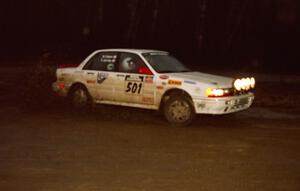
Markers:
point(133, 87)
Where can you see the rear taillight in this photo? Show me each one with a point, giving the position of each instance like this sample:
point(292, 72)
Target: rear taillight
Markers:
point(61, 86)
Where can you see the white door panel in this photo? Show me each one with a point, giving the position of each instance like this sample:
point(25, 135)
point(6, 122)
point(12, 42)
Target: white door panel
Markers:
point(90, 77)
point(100, 84)
point(104, 85)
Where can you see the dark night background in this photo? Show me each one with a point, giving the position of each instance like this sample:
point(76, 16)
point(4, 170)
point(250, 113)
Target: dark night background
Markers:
point(251, 35)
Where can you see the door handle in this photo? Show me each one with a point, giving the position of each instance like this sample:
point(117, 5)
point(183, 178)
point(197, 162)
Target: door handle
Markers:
point(120, 75)
point(90, 73)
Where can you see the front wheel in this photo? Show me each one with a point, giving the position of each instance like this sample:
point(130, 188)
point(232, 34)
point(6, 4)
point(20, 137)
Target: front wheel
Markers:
point(179, 110)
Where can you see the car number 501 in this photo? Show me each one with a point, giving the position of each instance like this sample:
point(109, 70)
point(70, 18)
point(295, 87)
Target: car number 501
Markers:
point(133, 87)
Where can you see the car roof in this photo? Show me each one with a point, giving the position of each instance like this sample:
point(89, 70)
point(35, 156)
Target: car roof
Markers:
point(137, 51)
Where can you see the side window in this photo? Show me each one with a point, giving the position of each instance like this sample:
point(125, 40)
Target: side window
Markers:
point(130, 63)
point(102, 61)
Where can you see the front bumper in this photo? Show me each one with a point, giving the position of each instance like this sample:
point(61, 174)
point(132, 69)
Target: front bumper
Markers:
point(223, 105)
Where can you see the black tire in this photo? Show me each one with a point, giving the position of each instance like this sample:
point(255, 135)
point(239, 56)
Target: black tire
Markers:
point(80, 99)
point(179, 110)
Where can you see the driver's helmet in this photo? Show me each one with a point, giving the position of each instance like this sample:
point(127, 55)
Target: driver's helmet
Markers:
point(128, 64)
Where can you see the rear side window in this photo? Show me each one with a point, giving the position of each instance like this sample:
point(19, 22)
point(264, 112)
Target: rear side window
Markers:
point(130, 63)
point(103, 61)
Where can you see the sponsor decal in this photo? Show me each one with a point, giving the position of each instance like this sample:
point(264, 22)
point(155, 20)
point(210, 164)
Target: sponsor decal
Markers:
point(110, 67)
point(109, 58)
point(148, 99)
point(174, 82)
point(134, 78)
point(159, 87)
point(149, 79)
point(189, 82)
point(90, 81)
point(164, 77)
point(101, 77)
point(201, 105)
point(158, 53)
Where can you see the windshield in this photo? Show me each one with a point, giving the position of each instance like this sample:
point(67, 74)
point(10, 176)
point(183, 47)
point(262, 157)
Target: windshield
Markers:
point(164, 63)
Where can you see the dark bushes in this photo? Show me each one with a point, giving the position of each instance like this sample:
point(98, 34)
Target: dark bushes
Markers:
point(36, 85)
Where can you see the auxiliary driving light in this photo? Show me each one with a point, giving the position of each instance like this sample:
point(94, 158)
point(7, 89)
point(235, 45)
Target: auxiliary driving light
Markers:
point(238, 84)
point(252, 82)
point(244, 84)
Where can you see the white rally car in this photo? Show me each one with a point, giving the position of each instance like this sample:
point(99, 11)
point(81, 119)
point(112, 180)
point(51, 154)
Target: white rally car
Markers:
point(151, 79)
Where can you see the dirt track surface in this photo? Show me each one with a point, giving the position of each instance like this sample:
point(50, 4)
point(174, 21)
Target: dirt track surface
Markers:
point(51, 148)
point(59, 150)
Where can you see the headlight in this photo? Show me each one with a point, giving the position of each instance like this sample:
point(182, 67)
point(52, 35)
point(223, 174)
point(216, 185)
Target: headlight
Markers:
point(210, 92)
point(244, 84)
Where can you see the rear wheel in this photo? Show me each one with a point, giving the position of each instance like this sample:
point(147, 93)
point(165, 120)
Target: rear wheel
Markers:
point(80, 98)
point(179, 110)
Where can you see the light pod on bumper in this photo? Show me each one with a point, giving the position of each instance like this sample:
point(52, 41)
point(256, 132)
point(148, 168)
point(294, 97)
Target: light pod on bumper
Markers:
point(244, 84)
point(238, 84)
point(252, 82)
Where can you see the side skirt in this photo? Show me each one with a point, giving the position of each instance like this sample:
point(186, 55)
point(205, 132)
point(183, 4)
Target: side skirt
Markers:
point(153, 107)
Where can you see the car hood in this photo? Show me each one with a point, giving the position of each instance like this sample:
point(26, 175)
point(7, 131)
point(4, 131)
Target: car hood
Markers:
point(209, 79)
